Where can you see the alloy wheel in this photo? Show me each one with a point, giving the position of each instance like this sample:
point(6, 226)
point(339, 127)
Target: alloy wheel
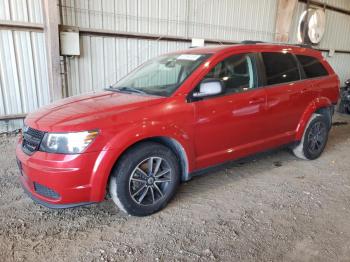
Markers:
point(317, 137)
point(149, 181)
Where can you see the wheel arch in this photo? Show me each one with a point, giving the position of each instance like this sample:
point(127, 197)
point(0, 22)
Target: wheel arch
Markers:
point(326, 112)
point(174, 145)
point(321, 106)
point(99, 183)
point(177, 148)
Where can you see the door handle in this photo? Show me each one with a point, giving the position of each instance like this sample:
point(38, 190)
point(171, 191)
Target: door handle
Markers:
point(255, 101)
point(304, 90)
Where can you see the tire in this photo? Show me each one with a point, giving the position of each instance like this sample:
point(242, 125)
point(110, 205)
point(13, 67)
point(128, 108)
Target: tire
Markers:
point(314, 139)
point(138, 191)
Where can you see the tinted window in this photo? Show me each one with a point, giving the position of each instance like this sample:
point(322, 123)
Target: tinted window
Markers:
point(280, 68)
point(236, 72)
point(312, 67)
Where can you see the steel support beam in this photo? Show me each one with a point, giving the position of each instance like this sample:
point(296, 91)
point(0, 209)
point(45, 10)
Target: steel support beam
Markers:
point(24, 26)
point(111, 33)
point(285, 11)
point(157, 37)
point(323, 4)
point(51, 31)
point(12, 117)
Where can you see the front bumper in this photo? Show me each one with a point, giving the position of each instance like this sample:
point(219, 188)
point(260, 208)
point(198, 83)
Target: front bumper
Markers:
point(56, 180)
point(55, 206)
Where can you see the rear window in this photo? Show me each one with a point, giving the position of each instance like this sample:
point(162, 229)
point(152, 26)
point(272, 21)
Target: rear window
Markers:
point(312, 66)
point(280, 68)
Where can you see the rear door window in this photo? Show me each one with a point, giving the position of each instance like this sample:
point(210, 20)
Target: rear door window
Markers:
point(312, 66)
point(280, 68)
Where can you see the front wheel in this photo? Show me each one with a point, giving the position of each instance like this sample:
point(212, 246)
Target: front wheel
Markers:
point(314, 139)
point(145, 179)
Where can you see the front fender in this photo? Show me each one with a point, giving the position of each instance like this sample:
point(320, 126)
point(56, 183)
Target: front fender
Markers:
point(124, 139)
point(318, 103)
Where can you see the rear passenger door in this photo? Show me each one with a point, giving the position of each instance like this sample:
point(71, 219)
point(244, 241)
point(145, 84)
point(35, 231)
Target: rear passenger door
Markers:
point(285, 100)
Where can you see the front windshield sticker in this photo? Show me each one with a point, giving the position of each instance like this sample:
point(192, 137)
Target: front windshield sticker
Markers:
point(189, 57)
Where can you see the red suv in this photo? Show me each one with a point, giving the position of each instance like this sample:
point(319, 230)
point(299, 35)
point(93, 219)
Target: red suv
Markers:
point(174, 115)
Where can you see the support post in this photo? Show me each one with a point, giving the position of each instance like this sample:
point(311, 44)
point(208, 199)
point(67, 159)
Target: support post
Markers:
point(285, 11)
point(51, 31)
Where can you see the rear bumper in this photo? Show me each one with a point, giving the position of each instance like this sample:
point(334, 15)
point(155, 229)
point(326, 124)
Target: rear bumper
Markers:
point(56, 180)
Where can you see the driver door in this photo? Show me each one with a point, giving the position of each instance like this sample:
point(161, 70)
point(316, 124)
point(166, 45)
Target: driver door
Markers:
point(231, 124)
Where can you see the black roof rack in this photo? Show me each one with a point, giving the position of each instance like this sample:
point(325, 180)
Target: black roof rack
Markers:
point(252, 42)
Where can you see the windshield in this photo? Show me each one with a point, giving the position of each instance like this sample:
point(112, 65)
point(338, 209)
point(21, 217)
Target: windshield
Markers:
point(160, 76)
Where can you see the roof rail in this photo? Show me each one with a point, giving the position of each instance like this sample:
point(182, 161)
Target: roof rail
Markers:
point(305, 45)
point(252, 42)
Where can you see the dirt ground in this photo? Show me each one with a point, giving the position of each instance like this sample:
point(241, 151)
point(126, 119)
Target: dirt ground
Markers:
point(271, 207)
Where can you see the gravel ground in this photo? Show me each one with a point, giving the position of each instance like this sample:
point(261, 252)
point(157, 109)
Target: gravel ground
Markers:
point(270, 207)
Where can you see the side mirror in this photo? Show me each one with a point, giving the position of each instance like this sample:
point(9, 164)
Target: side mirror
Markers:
point(209, 87)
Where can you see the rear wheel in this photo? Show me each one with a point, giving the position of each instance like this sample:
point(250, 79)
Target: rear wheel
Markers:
point(145, 179)
point(314, 139)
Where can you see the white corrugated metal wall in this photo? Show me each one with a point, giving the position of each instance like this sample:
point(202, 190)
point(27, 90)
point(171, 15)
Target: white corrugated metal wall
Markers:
point(105, 59)
point(224, 19)
point(344, 4)
point(21, 10)
point(24, 85)
point(23, 69)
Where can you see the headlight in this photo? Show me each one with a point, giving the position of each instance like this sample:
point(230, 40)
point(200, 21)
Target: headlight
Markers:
point(67, 143)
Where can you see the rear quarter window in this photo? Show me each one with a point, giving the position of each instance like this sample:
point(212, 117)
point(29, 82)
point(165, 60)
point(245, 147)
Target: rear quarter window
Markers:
point(280, 68)
point(312, 66)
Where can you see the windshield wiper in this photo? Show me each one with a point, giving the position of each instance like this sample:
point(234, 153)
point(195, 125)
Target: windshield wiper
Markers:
point(126, 89)
point(131, 89)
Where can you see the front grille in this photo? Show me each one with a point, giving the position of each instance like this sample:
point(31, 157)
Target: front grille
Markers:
point(35, 133)
point(45, 191)
point(31, 140)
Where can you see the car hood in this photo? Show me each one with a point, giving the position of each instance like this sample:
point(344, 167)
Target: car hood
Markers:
point(87, 111)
